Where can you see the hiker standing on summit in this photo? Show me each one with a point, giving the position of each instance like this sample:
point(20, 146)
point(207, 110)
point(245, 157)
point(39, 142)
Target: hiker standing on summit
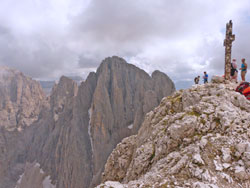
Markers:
point(197, 79)
point(205, 77)
point(243, 69)
point(234, 71)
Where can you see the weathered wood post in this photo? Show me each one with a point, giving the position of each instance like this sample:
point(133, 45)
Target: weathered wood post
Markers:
point(228, 48)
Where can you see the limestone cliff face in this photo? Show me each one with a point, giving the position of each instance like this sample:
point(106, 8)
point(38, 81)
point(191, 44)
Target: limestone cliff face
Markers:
point(21, 99)
point(198, 137)
point(78, 127)
point(55, 150)
point(12, 157)
point(123, 95)
point(61, 144)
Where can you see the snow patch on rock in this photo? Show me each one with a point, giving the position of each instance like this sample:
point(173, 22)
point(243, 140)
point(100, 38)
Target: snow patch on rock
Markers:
point(19, 181)
point(131, 126)
point(89, 129)
point(47, 183)
point(111, 184)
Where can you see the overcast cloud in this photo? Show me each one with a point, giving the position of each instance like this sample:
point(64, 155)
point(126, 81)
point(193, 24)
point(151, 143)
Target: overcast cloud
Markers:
point(48, 38)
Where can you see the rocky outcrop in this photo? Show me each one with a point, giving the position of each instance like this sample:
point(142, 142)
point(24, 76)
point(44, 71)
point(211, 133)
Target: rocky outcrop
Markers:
point(79, 126)
point(198, 137)
point(21, 99)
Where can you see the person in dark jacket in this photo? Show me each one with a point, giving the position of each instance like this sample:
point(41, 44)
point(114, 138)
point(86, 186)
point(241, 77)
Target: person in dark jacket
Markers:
point(197, 79)
point(234, 71)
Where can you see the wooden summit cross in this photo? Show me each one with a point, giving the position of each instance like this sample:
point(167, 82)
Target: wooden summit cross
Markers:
point(228, 49)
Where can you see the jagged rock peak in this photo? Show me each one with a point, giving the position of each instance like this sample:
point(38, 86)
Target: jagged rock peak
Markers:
point(158, 73)
point(115, 60)
point(123, 95)
point(65, 87)
point(198, 137)
point(5, 71)
point(21, 99)
point(62, 95)
point(160, 79)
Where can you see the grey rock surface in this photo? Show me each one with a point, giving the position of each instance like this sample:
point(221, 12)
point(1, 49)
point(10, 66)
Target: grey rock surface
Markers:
point(123, 95)
point(195, 138)
point(21, 99)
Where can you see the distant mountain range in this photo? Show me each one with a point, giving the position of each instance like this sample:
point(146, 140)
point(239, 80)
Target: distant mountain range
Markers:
point(65, 139)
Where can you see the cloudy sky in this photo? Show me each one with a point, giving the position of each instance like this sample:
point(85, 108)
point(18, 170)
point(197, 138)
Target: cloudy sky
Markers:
point(49, 38)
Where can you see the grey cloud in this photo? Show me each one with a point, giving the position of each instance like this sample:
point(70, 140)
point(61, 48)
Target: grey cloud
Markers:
point(129, 25)
point(33, 56)
point(127, 28)
point(4, 31)
point(241, 44)
point(145, 30)
point(88, 62)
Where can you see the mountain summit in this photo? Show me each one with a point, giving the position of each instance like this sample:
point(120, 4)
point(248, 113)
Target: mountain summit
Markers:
point(197, 138)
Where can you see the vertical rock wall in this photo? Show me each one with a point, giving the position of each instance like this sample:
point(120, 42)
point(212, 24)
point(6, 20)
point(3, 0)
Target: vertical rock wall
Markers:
point(78, 127)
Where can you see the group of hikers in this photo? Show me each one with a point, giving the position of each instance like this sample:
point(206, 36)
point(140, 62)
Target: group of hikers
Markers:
point(205, 78)
point(234, 72)
point(243, 87)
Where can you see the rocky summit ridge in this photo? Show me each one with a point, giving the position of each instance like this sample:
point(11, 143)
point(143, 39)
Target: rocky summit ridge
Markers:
point(197, 138)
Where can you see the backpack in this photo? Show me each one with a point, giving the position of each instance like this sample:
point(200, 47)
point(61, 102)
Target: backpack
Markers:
point(248, 96)
point(246, 92)
point(242, 87)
